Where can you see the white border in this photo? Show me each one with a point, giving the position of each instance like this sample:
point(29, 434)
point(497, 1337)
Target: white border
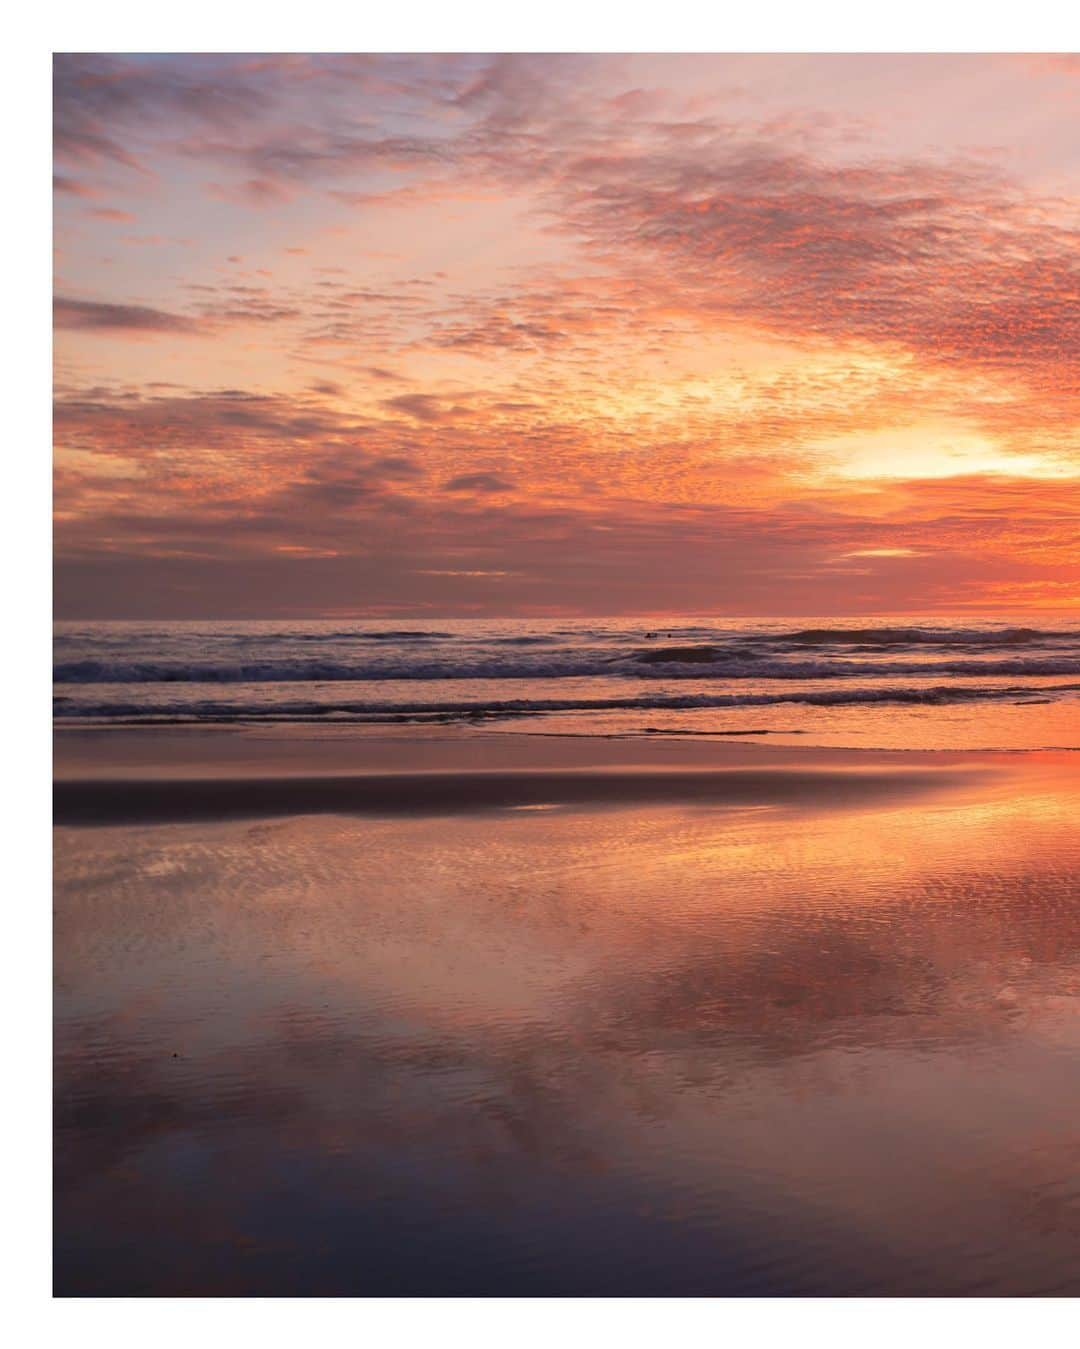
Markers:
point(564, 25)
point(198, 25)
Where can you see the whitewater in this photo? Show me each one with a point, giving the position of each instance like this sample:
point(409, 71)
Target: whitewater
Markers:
point(921, 683)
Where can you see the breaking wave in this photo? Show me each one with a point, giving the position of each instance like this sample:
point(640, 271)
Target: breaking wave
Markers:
point(596, 671)
point(302, 709)
point(920, 636)
point(570, 665)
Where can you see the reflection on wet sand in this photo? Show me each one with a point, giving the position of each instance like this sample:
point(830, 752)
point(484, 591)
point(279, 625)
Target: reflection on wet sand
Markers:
point(748, 1050)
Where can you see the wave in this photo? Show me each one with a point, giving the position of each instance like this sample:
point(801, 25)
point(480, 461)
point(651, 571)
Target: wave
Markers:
point(920, 636)
point(209, 710)
point(572, 665)
point(346, 635)
point(294, 670)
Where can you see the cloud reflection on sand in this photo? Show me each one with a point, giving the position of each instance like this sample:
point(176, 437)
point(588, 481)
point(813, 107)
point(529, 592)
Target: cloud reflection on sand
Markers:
point(652, 1050)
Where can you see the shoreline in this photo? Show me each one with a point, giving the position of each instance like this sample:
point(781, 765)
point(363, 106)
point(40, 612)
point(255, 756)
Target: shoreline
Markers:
point(147, 777)
point(81, 752)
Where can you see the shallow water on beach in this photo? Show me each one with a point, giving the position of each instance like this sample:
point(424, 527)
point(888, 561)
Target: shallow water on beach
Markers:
point(647, 1051)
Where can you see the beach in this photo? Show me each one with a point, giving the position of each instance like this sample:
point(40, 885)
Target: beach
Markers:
point(565, 676)
point(465, 1012)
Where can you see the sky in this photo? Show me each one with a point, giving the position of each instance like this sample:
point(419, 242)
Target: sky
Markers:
point(546, 335)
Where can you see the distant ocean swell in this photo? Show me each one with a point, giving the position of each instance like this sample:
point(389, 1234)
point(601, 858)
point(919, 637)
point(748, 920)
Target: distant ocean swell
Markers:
point(843, 636)
point(657, 665)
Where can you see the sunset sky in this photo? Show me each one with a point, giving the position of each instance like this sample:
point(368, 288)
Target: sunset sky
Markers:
point(456, 335)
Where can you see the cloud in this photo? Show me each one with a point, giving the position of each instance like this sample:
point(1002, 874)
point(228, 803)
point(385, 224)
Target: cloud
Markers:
point(664, 312)
point(63, 183)
point(481, 483)
point(110, 213)
point(101, 103)
point(750, 221)
point(424, 407)
point(170, 491)
point(945, 260)
point(98, 316)
point(252, 192)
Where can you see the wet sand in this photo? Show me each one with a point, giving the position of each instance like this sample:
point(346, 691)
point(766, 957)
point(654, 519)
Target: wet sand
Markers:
point(85, 753)
point(143, 777)
point(564, 1017)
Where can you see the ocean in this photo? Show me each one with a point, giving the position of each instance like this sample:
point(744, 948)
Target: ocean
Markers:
point(461, 959)
point(916, 683)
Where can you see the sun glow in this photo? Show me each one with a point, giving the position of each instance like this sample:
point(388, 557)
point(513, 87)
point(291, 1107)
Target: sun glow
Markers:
point(936, 450)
